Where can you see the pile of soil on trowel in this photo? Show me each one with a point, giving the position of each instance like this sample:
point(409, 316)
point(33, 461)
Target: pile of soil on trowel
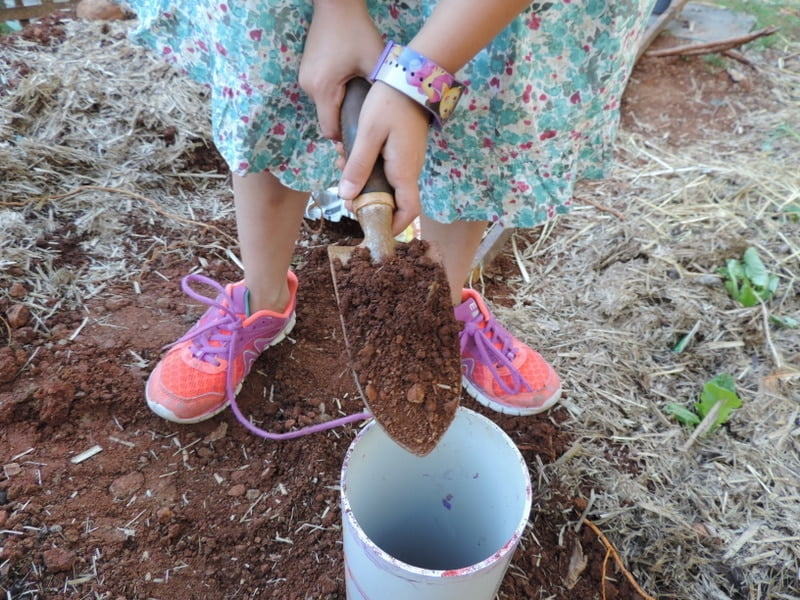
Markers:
point(402, 338)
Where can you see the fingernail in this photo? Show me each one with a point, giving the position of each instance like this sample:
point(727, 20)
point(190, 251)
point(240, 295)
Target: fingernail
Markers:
point(347, 189)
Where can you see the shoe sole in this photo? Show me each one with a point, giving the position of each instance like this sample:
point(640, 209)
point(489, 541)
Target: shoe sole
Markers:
point(505, 409)
point(168, 415)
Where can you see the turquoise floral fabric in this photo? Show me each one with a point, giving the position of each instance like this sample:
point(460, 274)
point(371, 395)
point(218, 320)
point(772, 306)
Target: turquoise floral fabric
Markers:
point(540, 111)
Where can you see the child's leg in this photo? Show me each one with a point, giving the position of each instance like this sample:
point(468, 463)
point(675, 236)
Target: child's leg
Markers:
point(497, 369)
point(268, 217)
point(458, 243)
point(205, 368)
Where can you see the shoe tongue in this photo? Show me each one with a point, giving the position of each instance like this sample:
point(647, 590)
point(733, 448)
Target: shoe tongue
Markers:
point(469, 312)
point(241, 299)
point(475, 311)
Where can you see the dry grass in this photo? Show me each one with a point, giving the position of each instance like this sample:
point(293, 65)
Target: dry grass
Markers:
point(83, 141)
point(700, 517)
point(714, 517)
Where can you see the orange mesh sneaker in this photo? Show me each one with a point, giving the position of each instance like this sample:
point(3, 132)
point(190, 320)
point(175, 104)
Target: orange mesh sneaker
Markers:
point(204, 369)
point(497, 369)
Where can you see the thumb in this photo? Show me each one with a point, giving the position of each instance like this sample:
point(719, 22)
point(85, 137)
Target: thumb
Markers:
point(358, 166)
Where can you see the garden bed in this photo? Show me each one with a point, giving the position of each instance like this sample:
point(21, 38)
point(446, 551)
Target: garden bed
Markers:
point(112, 191)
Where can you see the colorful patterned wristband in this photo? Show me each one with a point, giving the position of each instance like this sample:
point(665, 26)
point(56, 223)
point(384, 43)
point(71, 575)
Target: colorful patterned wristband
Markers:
point(420, 79)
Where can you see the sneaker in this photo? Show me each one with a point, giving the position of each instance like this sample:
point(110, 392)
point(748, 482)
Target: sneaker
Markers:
point(497, 369)
point(205, 368)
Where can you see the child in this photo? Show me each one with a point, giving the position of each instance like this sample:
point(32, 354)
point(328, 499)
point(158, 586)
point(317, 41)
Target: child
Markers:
point(541, 85)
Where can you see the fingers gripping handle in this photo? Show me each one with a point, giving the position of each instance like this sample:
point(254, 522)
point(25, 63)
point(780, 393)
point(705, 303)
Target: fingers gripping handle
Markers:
point(374, 207)
point(356, 92)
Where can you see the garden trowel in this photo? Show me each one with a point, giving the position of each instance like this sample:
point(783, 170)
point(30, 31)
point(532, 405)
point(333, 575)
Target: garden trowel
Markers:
point(400, 332)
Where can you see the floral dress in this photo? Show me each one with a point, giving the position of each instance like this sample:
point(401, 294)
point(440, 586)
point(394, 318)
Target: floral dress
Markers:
point(540, 111)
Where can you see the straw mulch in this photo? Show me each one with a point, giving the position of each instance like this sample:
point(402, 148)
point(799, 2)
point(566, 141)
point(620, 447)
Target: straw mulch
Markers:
point(606, 294)
point(609, 293)
point(99, 134)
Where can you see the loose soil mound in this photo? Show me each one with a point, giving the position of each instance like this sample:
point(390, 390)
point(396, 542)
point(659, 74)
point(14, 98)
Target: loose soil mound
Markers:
point(402, 338)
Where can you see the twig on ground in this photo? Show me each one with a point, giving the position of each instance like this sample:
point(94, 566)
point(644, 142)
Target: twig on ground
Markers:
point(618, 560)
point(603, 208)
point(775, 354)
point(712, 47)
point(736, 55)
point(704, 426)
point(603, 573)
point(656, 28)
point(8, 329)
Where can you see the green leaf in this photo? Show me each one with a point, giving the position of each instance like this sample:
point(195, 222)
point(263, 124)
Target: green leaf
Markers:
point(749, 282)
point(735, 269)
point(732, 288)
point(747, 296)
point(772, 285)
point(720, 389)
point(725, 381)
point(684, 341)
point(681, 345)
point(754, 269)
point(683, 414)
point(787, 322)
point(733, 272)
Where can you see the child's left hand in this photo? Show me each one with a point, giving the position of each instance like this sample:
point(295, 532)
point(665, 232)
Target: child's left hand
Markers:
point(342, 43)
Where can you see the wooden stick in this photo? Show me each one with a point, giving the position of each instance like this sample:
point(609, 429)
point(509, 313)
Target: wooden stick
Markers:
point(603, 208)
point(711, 47)
point(603, 575)
point(618, 560)
point(656, 28)
point(736, 55)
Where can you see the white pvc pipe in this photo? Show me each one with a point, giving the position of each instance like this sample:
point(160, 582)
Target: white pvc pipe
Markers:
point(439, 527)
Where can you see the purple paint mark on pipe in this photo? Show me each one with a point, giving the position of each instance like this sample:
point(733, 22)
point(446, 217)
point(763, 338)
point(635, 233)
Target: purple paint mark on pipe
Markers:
point(446, 501)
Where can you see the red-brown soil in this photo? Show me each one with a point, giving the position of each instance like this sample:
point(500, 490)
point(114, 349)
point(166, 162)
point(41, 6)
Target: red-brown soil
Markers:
point(179, 512)
point(402, 339)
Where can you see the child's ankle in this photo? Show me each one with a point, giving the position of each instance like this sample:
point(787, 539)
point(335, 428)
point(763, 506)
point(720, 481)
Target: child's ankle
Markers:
point(276, 301)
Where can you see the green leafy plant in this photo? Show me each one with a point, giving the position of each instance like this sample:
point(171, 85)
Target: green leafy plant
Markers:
point(787, 322)
point(683, 414)
point(748, 281)
point(720, 389)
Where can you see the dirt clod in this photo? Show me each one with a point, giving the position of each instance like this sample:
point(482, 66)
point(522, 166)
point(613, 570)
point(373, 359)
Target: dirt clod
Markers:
point(415, 394)
point(58, 560)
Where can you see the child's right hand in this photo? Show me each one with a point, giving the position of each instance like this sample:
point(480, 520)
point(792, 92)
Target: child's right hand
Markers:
point(396, 127)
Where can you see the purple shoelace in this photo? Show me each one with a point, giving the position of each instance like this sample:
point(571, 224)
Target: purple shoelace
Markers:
point(202, 348)
point(490, 355)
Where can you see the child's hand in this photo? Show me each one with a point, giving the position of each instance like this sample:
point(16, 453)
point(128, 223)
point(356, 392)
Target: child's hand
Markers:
point(393, 125)
point(342, 43)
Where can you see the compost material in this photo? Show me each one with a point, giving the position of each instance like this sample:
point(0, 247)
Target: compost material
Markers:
point(402, 339)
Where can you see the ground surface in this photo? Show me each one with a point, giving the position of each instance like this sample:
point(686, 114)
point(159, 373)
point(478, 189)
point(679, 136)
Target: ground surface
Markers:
point(209, 510)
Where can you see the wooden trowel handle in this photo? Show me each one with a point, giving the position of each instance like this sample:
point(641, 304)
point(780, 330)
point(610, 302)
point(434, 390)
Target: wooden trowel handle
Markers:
point(374, 207)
